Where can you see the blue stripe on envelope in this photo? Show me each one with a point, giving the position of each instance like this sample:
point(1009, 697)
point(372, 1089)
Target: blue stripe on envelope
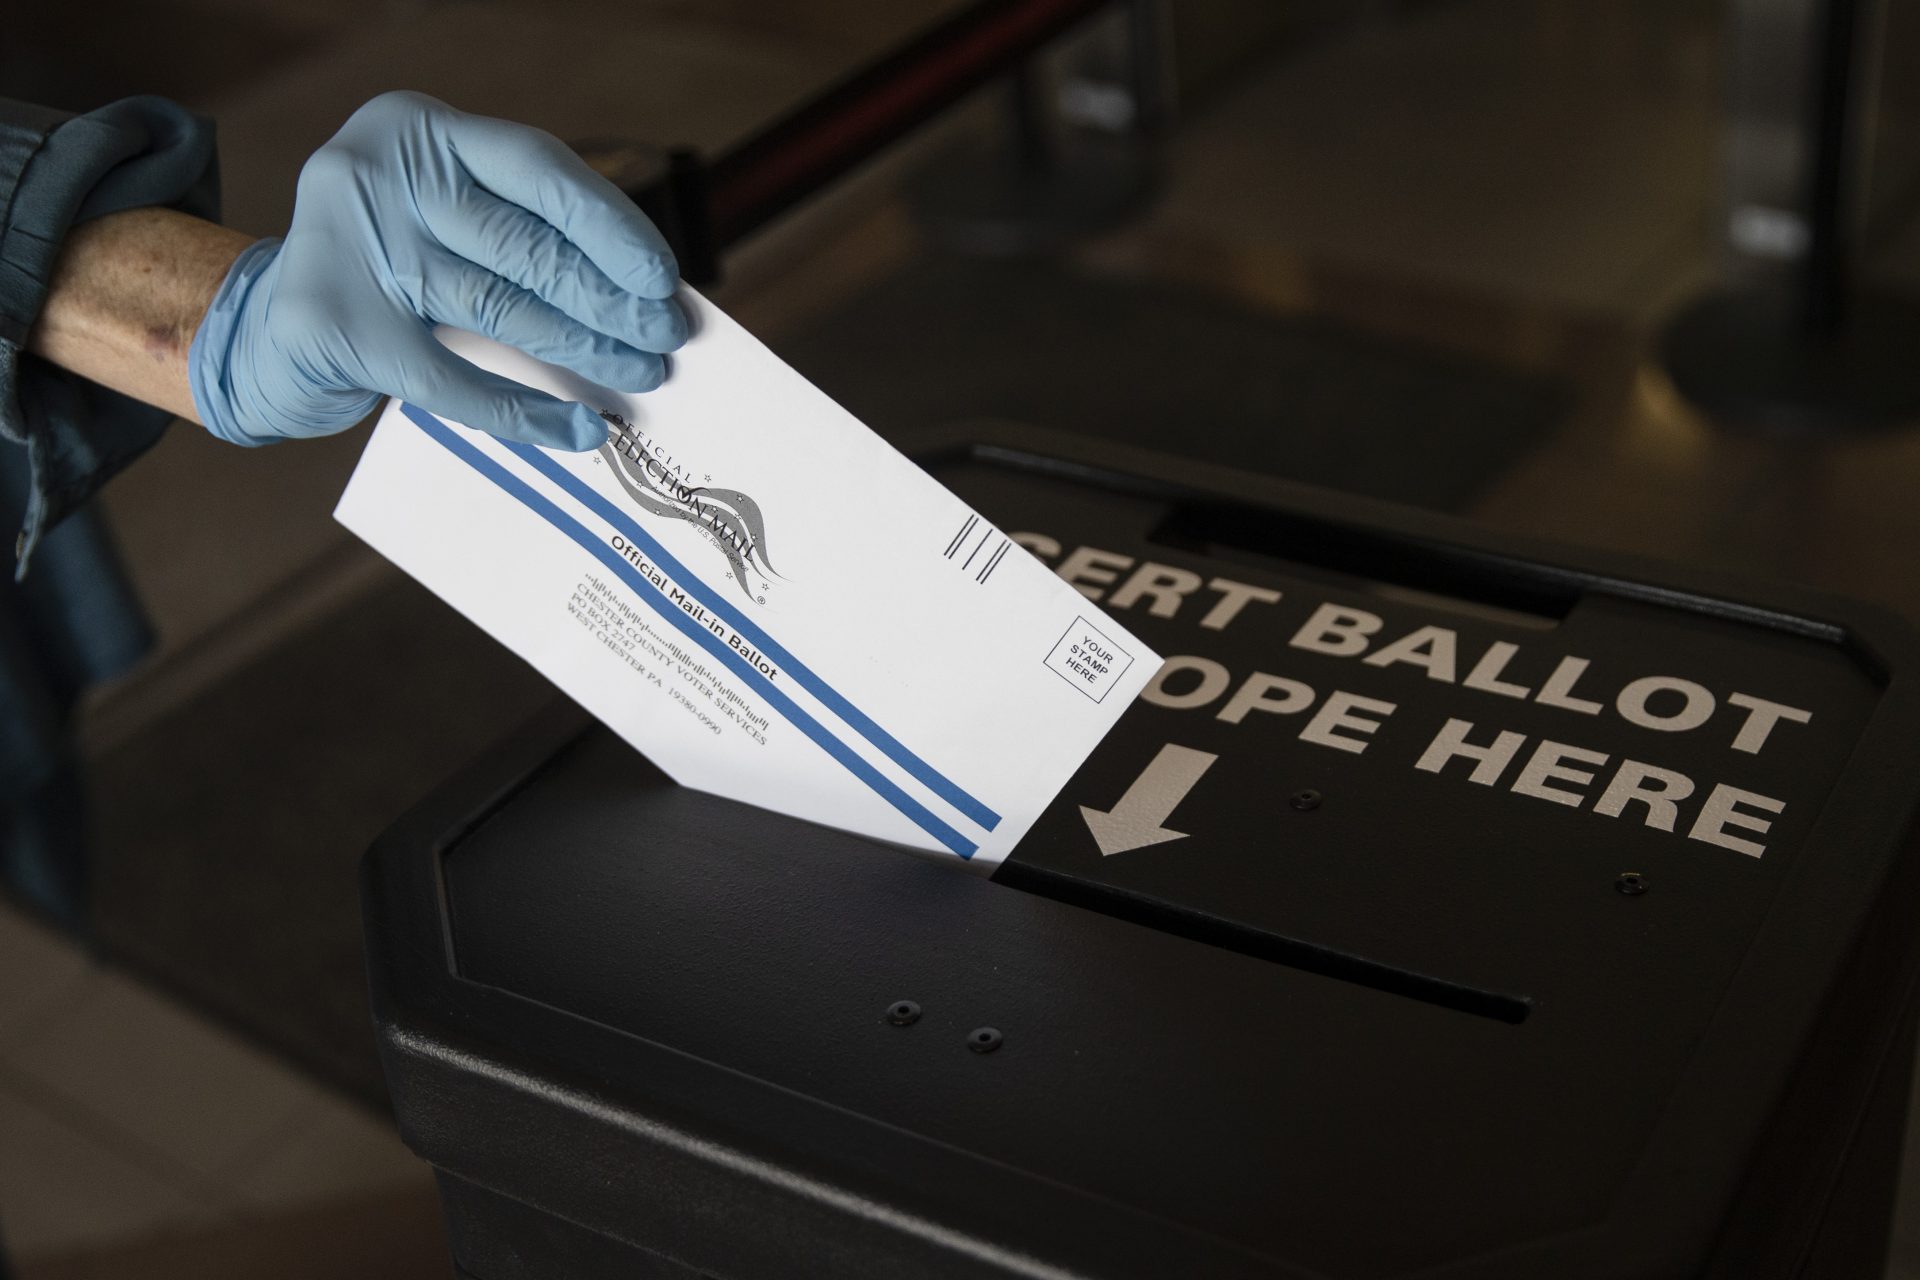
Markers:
point(541, 506)
point(607, 510)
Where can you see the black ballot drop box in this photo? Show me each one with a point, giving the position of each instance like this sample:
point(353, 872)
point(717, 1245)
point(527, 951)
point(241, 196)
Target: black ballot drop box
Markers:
point(1447, 907)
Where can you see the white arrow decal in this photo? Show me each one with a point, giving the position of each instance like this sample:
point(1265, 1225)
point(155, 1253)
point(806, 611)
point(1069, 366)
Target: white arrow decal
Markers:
point(1134, 823)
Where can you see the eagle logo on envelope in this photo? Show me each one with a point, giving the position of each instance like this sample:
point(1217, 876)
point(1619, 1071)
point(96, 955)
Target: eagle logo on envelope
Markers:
point(731, 520)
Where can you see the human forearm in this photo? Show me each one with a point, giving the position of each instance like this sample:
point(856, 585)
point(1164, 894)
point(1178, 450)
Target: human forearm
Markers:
point(128, 293)
point(413, 215)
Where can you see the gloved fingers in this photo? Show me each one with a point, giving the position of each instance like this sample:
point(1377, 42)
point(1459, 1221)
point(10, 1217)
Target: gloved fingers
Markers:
point(458, 293)
point(540, 174)
point(429, 375)
point(508, 241)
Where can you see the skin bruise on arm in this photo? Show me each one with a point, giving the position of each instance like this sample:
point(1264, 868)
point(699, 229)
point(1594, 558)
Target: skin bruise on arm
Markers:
point(127, 296)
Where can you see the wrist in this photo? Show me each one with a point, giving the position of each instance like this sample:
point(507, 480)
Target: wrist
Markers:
point(217, 357)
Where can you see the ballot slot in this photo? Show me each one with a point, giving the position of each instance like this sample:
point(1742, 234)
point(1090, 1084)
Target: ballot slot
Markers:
point(678, 817)
point(695, 812)
point(1448, 578)
point(1232, 935)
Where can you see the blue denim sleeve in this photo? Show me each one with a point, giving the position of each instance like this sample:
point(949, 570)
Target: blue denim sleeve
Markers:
point(60, 439)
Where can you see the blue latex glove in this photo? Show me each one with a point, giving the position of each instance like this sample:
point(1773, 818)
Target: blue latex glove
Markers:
point(416, 214)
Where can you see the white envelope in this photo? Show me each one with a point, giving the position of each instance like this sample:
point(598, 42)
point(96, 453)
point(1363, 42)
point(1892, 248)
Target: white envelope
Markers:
point(761, 595)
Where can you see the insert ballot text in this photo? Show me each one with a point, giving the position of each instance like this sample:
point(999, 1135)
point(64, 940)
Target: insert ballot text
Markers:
point(1563, 773)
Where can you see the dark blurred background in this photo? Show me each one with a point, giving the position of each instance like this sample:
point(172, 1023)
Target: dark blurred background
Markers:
point(1437, 251)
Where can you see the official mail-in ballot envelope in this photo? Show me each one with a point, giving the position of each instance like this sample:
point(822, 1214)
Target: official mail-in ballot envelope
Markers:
point(762, 595)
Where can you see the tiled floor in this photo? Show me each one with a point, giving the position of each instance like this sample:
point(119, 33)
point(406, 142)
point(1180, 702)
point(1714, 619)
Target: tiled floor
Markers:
point(126, 1120)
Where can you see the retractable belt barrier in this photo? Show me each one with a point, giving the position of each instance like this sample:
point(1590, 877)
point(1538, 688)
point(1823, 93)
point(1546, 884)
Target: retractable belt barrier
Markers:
point(1447, 906)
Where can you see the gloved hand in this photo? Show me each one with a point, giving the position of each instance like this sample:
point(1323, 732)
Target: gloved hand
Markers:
point(416, 214)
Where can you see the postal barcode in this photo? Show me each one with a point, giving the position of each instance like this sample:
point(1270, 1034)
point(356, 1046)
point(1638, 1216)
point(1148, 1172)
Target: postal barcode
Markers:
point(978, 548)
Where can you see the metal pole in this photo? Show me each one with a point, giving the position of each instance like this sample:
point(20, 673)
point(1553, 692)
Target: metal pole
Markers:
point(811, 147)
point(1823, 275)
